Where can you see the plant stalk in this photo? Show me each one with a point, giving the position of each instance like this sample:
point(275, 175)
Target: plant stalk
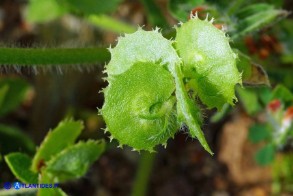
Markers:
point(143, 174)
point(53, 56)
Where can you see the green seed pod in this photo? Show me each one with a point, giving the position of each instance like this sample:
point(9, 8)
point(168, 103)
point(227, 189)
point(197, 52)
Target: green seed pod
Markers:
point(139, 106)
point(208, 61)
point(141, 46)
point(145, 73)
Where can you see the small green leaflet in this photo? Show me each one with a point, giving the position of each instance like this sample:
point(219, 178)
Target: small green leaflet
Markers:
point(61, 137)
point(74, 161)
point(254, 17)
point(20, 164)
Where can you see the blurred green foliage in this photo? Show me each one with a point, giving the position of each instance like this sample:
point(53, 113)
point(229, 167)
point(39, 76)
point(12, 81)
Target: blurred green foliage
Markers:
point(258, 132)
point(265, 51)
point(12, 94)
point(37, 8)
point(182, 8)
point(13, 139)
point(265, 155)
point(277, 131)
point(12, 91)
point(57, 159)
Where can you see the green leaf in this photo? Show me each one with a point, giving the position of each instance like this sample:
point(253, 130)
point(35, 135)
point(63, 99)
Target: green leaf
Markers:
point(265, 155)
point(74, 161)
point(181, 9)
point(234, 6)
point(258, 132)
point(249, 100)
point(252, 73)
point(109, 23)
point(37, 8)
point(20, 164)
point(188, 111)
point(253, 9)
point(14, 94)
point(282, 93)
point(155, 17)
point(255, 17)
point(60, 138)
point(13, 139)
point(92, 6)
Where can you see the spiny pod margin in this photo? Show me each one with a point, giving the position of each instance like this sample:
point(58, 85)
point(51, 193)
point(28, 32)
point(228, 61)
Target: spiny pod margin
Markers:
point(139, 108)
point(208, 62)
point(146, 72)
point(141, 46)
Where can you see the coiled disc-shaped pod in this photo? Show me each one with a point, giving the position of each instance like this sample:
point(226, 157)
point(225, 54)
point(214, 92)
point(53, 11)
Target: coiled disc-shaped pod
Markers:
point(146, 100)
point(140, 106)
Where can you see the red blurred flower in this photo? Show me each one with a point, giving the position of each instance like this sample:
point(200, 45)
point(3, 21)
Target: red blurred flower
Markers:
point(274, 105)
point(289, 114)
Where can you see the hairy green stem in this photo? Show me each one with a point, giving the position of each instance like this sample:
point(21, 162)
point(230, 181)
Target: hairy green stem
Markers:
point(53, 56)
point(143, 174)
point(56, 56)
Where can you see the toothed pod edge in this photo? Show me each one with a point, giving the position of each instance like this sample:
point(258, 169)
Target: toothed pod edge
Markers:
point(139, 106)
point(208, 61)
point(144, 46)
